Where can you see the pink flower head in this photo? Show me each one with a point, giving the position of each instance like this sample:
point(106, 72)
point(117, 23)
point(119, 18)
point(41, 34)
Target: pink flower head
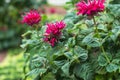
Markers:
point(31, 18)
point(52, 10)
point(53, 32)
point(91, 8)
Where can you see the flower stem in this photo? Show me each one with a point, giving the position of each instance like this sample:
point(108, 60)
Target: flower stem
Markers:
point(104, 53)
point(95, 24)
point(102, 48)
point(37, 30)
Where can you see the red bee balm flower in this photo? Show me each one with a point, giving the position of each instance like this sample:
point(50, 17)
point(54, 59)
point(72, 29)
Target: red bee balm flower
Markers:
point(32, 17)
point(91, 8)
point(53, 32)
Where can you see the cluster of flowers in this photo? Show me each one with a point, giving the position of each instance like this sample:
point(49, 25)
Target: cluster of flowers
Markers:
point(31, 18)
point(53, 30)
point(91, 8)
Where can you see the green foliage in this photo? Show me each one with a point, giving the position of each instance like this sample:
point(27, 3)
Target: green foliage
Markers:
point(91, 41)
point(84, 71)
point(84, 52)
point(102, 61)
point(115, 1)
point(12, 66)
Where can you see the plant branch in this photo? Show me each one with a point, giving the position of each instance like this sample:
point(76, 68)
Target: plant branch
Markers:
point(37, 26)
point(102, 48)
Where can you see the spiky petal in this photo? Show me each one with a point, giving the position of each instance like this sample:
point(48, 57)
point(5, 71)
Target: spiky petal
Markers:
point(31, 18)
point(53, 32)
point(91, 8)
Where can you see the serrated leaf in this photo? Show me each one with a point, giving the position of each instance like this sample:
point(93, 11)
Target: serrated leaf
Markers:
point(65, 68)
point(107, 18)
point(102, 27)
point(112, 67)
point(84, 71)
point(116, 61)
point(60, 63)
point(115, 33)
point(91, 41)
point(36, 71)
point(69, 55)
point(81, 53)
point(71, 41)
point(102, 60)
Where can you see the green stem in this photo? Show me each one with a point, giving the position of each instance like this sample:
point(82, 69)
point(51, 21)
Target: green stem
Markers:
point(25, 34)
point(37, 30)
point(96, 29)
point(104, 53)
point(102, 48)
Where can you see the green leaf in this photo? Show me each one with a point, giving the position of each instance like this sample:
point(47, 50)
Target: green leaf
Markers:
point(36, 71)
point(91, 41)
point(71, 17)
point(115, 33)
point(102, 60)
point(102, 27)
point(69, 55)
point(84, 71)
point(71, 42)
point(101, 70)
point(69, 23)
point(112, 67)
point(65, 68)
point(26, 43)
point(114, 9)
point(81, 53)
point(49, 76)
point(107, 18)
point(89, 23)
point(60, 63)
point(116, 61)
point(38, 65)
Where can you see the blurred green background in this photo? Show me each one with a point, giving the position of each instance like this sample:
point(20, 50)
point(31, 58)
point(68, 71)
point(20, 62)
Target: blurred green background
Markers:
point(10, 24)
point(11, 29)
